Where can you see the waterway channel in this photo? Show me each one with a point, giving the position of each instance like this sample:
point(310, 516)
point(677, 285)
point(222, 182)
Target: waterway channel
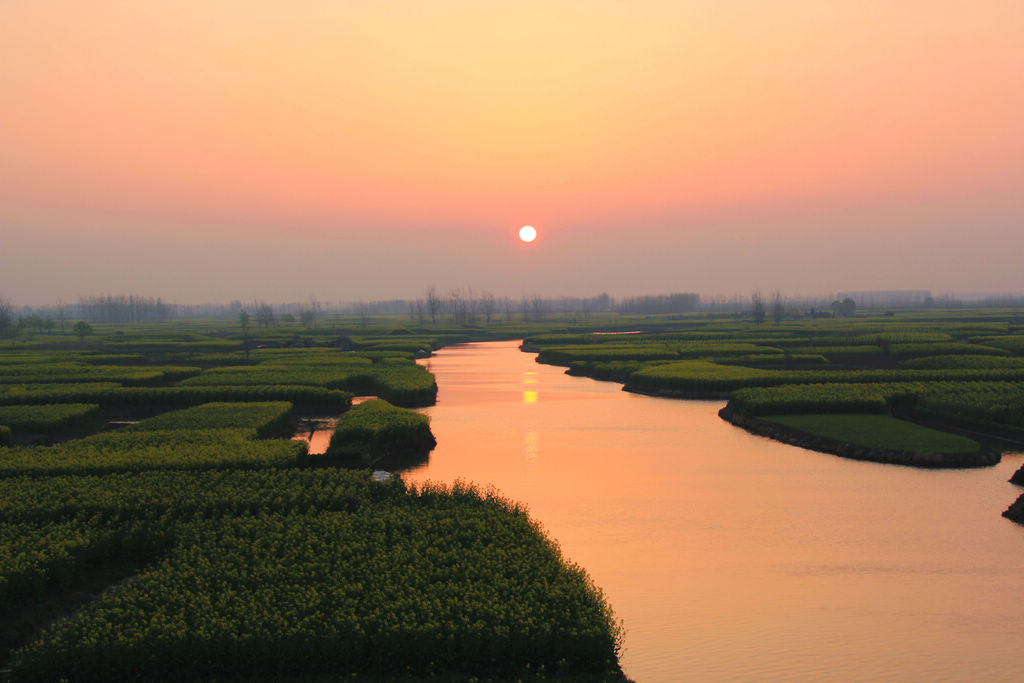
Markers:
point(730, 557)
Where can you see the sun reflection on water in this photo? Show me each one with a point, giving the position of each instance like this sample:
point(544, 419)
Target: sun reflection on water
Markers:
point(531, 446)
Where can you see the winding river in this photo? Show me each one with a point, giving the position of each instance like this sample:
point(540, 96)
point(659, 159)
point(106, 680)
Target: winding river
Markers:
point(730, 557)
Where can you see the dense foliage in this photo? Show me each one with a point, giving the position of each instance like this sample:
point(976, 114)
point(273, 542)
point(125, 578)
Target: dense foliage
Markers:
point(265, 419)
point(306, 399)
point(376, 427)
point(706, 377)
point(283, 572)
point(130, 451)
point(394, 378)
point(452, 583)
point(83, 372)
point(50, 419)
point(999, 404)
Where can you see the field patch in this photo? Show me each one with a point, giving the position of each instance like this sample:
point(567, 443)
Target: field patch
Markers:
point(878, 431)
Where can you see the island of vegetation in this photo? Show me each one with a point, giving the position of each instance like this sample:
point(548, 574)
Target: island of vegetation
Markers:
point(375, 429)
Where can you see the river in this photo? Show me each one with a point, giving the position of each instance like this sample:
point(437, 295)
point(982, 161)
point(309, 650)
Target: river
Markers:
point(728, 556)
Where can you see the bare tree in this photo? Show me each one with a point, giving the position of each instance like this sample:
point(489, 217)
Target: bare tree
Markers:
point(758, 307)
point(433, 303)
point(456, 307)
point(778, 308)
point(265, 315)
point(310, 315)
point(61, 313)
point(243, 320)
point(7, 328)
point(538, 307)
point(470, 307)
point(487, 305)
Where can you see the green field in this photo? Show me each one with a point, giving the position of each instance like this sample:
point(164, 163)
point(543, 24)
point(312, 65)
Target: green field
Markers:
point(243, 562)
point(877, 431)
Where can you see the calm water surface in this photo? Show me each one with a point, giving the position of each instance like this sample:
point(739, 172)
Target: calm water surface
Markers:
point(731, 557)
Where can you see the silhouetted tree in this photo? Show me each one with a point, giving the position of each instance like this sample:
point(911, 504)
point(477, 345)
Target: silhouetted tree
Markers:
point(82, 329)
point(123, 309)
point(846, 308)
point(778, 308)
point(679, 302)
point(758, 307)
point(61, 313)
point(456, 307)
point(265, 315)
point(314, 307)
point(433, 303)
point(31, 322)
point(538, 307)
point(487, 304)
point(243, 320)
point(6, 318)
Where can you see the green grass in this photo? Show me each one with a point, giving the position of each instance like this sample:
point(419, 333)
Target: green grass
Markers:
point(878, 431)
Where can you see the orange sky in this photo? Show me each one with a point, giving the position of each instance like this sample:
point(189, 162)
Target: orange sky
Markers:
point(450, 124)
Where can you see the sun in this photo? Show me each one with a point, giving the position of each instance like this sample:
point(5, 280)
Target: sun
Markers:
point(527, 233)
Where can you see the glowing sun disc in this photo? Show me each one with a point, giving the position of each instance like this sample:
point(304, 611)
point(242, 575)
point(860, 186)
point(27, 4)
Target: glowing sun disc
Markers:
point(527, 233)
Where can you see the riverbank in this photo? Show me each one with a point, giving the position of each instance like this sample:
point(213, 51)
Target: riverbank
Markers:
point(797, 437)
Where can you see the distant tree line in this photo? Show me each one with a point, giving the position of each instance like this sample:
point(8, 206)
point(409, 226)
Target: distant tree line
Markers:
point(662, 303)
point(125, 309)
point(461, 306)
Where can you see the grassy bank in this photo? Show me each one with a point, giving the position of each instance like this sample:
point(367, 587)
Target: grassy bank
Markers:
point(878, 431)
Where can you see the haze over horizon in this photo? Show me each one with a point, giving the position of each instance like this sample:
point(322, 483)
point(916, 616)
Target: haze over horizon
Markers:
point(214, 151)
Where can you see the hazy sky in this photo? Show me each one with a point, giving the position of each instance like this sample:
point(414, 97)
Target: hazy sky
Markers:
point(205, 150)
